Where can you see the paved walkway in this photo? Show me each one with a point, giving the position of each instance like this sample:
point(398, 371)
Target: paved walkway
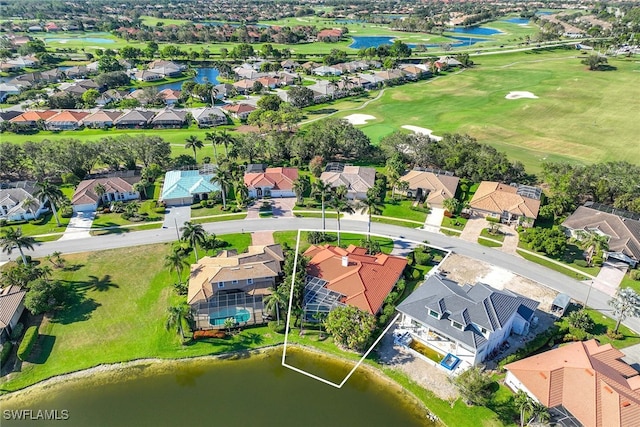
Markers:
point(79, 226)
point(511, 239)
point(434, 220)
point(262, 238)
point(474, 227)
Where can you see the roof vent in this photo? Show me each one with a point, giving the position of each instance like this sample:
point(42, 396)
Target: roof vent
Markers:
point(345, 261)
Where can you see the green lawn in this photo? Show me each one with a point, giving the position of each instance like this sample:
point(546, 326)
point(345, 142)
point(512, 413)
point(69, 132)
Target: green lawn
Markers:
point(628, 282)
point(219, 218)
point(402, 209)
point(599, 332)
point(551, 265)
point(198, 211)
point(498, 236)
point(44, 225)
point(571, 254)
point(457, 223)
point(489, 243)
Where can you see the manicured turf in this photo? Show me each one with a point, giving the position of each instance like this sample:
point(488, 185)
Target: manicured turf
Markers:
point(498, 236)
point(567, 122)
point(551, 265)
point(602, 323)
point(402, 209)
point(489, 243)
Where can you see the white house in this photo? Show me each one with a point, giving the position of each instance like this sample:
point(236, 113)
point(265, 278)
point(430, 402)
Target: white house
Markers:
point(274, 182)
point(467, 321)
point(14, 205)
point(116, 189)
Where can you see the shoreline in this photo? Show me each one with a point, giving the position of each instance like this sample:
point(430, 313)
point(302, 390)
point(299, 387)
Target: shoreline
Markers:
point(33, 391)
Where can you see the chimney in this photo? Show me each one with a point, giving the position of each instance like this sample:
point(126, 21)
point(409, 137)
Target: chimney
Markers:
point(345, 261)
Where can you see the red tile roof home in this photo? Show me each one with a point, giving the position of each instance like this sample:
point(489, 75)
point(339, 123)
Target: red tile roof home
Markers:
point(589, 380)
point(365, 281)
point(498, 198)
point(170, 94)
point(67, 117)
point(33, 116)
point(276, 178)
point(333, 34)
point(239, 108)
point(85, 191)
point(244, 84)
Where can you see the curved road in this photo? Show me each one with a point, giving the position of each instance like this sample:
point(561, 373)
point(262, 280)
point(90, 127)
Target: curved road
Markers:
point(550, 278)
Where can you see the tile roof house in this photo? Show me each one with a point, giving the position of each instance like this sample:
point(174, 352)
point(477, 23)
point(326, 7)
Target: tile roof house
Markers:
point(357, 179)
point(101, 119)
point(66, 120)
point(243, 86)
point(134, 119)
point(585, 379)
point(224, 90)
point(466, 321)
point(239, 111)
point(624, 233)
point(433, 186)
point(508, 203)
point(111, 95)
point(185, 187)
point(209, 116)
point(117, 189)
point(361, 280)
point(169, 118)
point(274, 182)
point(29, 119)
point(147, 76)
point(170, 96)
point(12, 202)
point(329, 35)
point(326, 70)
point(11, 308)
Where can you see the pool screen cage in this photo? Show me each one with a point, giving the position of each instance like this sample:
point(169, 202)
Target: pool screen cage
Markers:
point(318, 301)
point(205, 312)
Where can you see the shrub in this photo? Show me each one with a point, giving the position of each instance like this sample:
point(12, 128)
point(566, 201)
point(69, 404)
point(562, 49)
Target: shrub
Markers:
point(213, 333)
point(29, 340)
point(532, 346)
point(315, 237)
point(69, 178)
point(581, 263)
point(3, 222)
point(613, 335)
point(16, 333)
point(203, 203)
point(66, 212)
point(423, 258)
point(492, 219)
point(597, 261)
point(635, 274)
point(279, 329)
point(5, 352)
point(159, 210)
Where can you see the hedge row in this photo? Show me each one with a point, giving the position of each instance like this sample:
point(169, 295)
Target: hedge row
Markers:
point(29, 340)
point(532, 346)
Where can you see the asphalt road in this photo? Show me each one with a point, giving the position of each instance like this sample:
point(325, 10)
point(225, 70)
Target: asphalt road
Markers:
point(550, 278)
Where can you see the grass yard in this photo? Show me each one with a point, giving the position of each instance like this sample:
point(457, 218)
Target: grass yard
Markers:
point(498, 236)
point(402, 209)
point(489, 243)
point(628, 282)
point(44, 225)
point(218, 218)
point(457, 223)
point(599, 332)
point(567, 122)
point(571, 255)
point(552, 265)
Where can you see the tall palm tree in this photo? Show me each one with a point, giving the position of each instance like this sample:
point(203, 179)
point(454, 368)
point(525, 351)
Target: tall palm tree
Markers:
point(341, 192)
point(12, 238)
point(276, 299)
point(625, 303)
point(223, 178)
point(100, 191)
point(47, 191)
point(593, 242)
point(213, 137)
point(322, 189)
point(29, 203)
point(194, 234)
point(175, 315)
point(176, 261)
point(372, 206)
point(451, 205)
point(340, 206)
point(226, 139)
point(524, 404)
point(141, 187)
point(242, 192)
point(300, 186)
point(193, 143)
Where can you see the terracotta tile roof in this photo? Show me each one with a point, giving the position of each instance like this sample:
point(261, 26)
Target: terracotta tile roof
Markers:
point(239, 108)
point(67, 116)
point(10, 299)
point(624, 233)
point(367, 279)
point(588, 379)
point(258, 262)
point(244, 84)
point(356, 178)
point(276, 178)
point(497, 197)
point(439, 187)
point(33, 116)
point(85, 191)
point(170, 94)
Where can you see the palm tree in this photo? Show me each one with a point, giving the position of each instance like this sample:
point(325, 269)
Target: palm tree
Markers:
point(195, 144)
point(300, 185)
point(141, 187)
point(540, 413)
point(229, 323)
point(223, 179)
point(131, 208)
point(100, 191)
point(593, 242)
point(372, 206)
point(176, 314)
point(226, 139)
point(194, 234)
point(12, 238)
point(29, 203)
point(176, 261)
point(47, 191)
point(341, 192)
point(524, 404)
point(625, 303)
point(451, 205)
point(401, 186)
point(323, 190)
point(340, 205)
point(211, 242)
point(242, 192)
point(275, 300)
point(213, 137)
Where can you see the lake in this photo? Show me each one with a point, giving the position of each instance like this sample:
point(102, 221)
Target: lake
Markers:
point(519, 21)
point(476, 31)
point(204, 75)
point(360, 42)
point(251, 391)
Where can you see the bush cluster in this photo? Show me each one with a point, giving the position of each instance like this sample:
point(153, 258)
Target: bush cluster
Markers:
point(543, 339)
point(29, 340)
point(5, 352)
point(279, 329)
point(635, 274)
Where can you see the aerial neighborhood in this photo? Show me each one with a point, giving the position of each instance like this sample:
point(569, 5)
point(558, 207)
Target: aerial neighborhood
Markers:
point(425, 193)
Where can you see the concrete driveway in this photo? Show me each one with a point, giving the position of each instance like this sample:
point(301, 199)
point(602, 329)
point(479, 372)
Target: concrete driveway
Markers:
point(609, 278)
point(79, 226)
point(474, 227)
point(283, 207)
point(176, 216)
point(434, 220)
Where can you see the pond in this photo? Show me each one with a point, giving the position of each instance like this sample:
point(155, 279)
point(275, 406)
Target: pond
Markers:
point(519, 21)
point(98, 40)
point(476, 31)
point(360, 42)
point(252, 391)
point(204, 75)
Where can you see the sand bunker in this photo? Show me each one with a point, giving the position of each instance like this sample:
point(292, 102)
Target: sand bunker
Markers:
point(520, 94)
point(423, 131)
point(359, 119)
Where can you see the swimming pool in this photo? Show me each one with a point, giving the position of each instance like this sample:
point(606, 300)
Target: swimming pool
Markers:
point(239, 314)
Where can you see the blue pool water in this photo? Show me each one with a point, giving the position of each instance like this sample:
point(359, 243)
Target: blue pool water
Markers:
point(360, 42)
point(240, 315)
point(519, 21)
point(450, 361)
point(476, 31)
point(81, 39)
point(204, 74)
